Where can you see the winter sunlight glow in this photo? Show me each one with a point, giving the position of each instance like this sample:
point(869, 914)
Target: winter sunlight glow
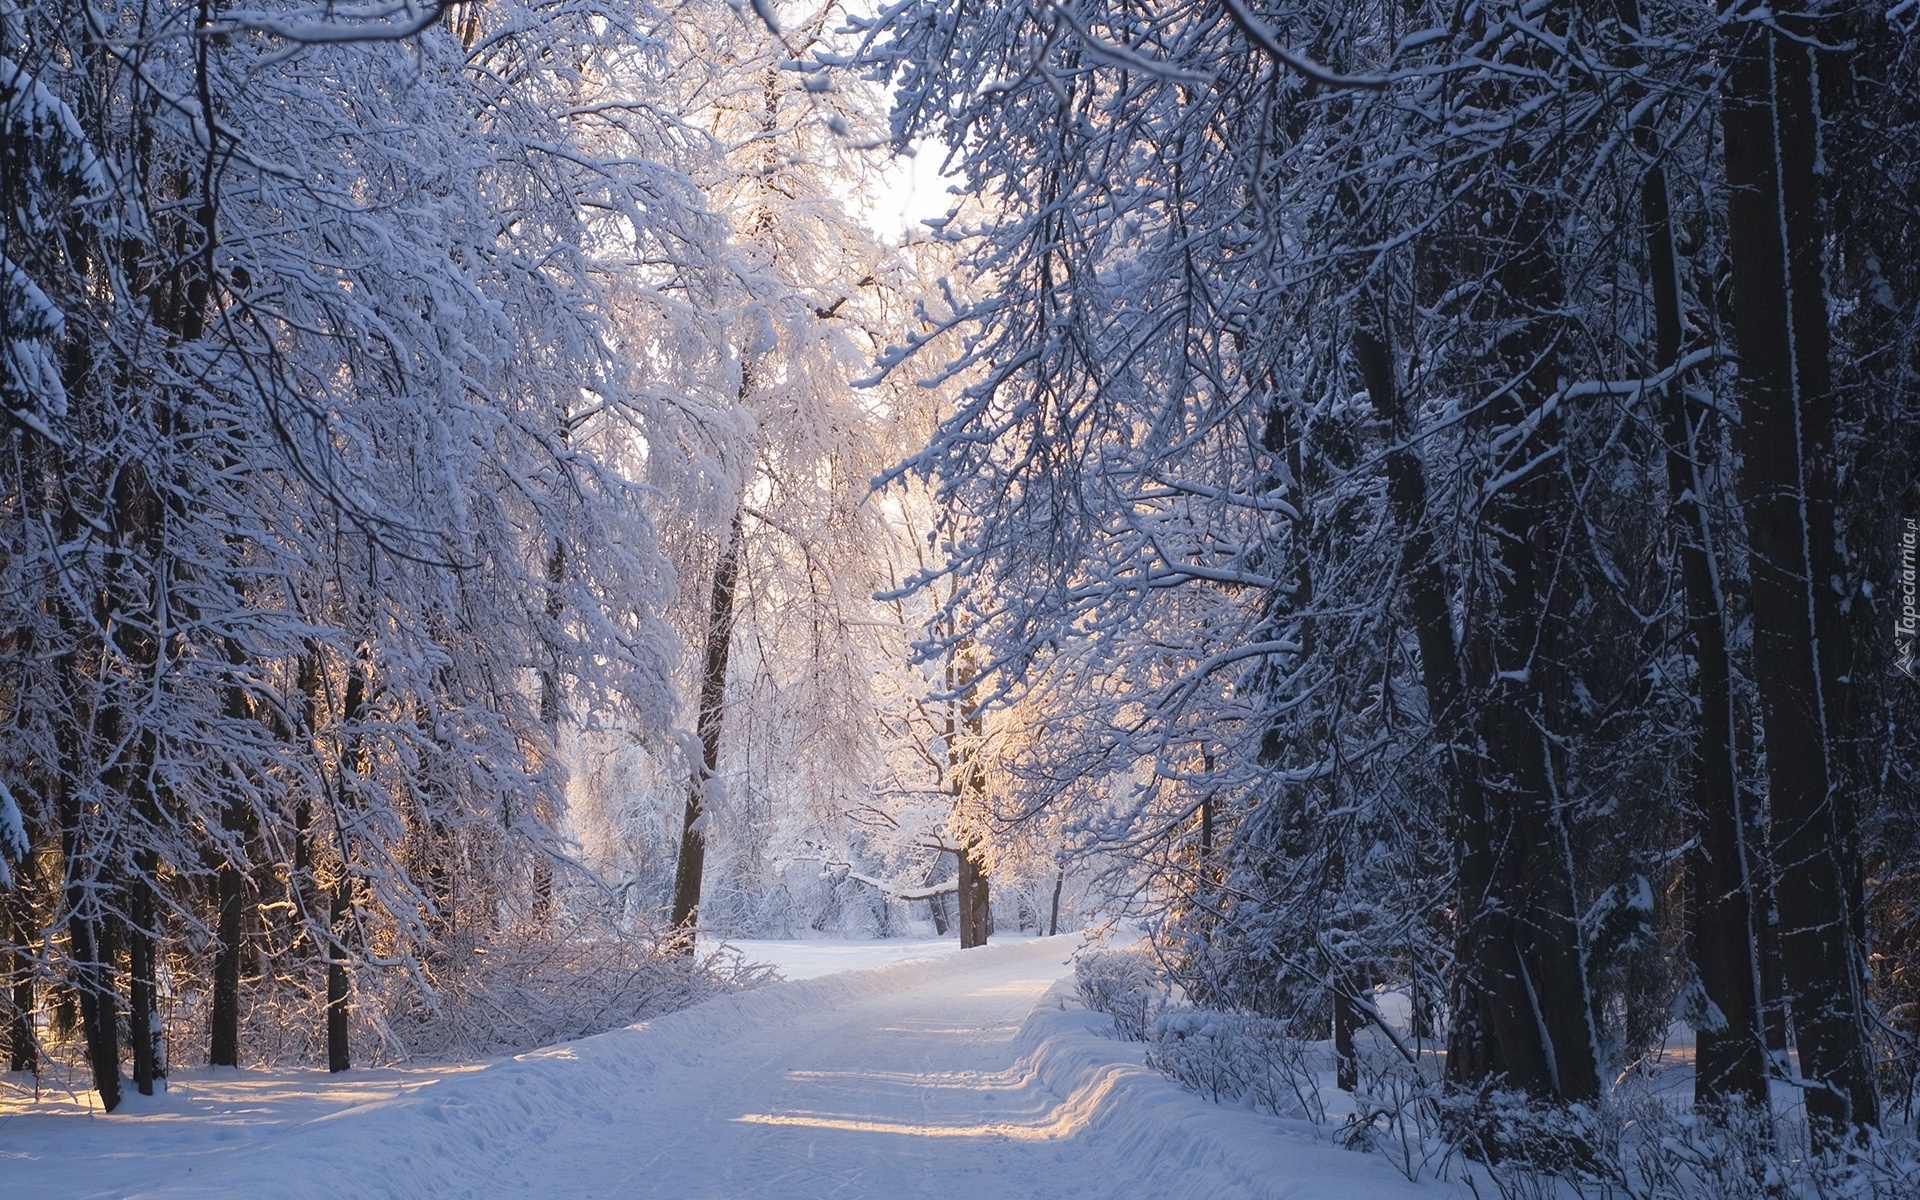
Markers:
point(1294, 599)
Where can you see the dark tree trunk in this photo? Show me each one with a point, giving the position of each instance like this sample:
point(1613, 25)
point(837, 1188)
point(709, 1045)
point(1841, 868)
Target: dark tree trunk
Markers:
point(135, 582)
point(1420, 1016)
point(1053, 917)
point(223, 1033)
point(1537, 986)
point(1206, 838)
point(23, 1052)
point(143, 992)
point(938, 910)
point(91, 975)
point(1787, 489)
point(550, 706)
point(353, 711)
point(713, 703)
point(224, 1023)
point(339, 1010)
point(1520, 1011)
point(1428, 597)
point(1866, 94)
point(99, 1004)
point(300, 890)
point(1731, 1060)
point(975, 921)
point(133, 780)
point(92, 967)
point(1346, 1059)
point(1773, 990)
point(180, 299)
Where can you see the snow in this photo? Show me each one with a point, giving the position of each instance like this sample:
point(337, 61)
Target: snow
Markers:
point(954, 1074)
point(26, 102)
point(810, 959)
point(13, 834)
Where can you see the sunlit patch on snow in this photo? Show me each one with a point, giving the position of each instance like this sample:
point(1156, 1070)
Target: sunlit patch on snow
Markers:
point(1065, 1121)
point(999, 1081)
point(962, 1031)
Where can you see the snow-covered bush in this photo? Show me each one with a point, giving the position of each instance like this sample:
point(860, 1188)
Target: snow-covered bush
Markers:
point(1398, 1112)
point(1122, 984)
point(1228, 1056)
point(539, 985)
point(1646, 1146)
point(491, 992)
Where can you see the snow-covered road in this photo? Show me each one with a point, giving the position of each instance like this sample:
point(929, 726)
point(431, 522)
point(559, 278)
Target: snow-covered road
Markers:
point(967, 1075)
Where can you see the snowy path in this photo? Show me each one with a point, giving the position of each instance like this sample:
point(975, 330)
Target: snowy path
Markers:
point(959, 1077)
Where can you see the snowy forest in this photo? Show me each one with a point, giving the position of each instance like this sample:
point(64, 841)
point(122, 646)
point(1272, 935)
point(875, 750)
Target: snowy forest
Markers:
point(1393, 522)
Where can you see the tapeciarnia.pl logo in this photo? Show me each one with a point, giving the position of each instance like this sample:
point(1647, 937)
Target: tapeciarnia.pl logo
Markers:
point(1906, 621)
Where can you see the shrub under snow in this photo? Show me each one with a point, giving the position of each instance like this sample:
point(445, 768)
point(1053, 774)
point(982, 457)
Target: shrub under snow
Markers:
point(1236, 1057)
point(1642, 1143)
point(522, 992)
point(1122, 984)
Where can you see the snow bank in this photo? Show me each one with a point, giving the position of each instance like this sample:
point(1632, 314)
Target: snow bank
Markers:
point(1158, 1133)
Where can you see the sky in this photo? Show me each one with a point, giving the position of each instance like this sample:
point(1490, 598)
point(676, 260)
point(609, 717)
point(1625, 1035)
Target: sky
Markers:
point(911, 190)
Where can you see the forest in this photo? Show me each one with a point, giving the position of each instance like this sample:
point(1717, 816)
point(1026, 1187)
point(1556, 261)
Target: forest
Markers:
point(1404, 508)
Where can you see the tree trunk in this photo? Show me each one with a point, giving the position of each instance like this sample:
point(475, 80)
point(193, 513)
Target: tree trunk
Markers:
point(1206, 836)
point(713, 703)
point(353, 711)
point(339, 1046)
point(967, 776)
point(975, 919)
point(92, 966)
point(1787, 496)
point(937, 911)
point(133, 781)
point(1471, 1052)
point(550, 706)
point(1774, 1009)
point(1346, 1059)
point(223, 1033)
point(1731, 1060)
point(143, 992)
point(1539, 986)
point(1520, 1012)
point(308, 677)
point(23, 1052)
point(99, 1004)
point(224, 1023)
point(135, 583)
point(1053, 918)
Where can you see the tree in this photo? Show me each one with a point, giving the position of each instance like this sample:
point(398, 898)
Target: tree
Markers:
point(1276, 288)
point(318, 379)
point(787, 461)
point(1788, 495)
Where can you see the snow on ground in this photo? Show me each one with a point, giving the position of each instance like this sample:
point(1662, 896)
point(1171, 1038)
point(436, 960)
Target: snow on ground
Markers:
point(961, 1075)
point(810, 959)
